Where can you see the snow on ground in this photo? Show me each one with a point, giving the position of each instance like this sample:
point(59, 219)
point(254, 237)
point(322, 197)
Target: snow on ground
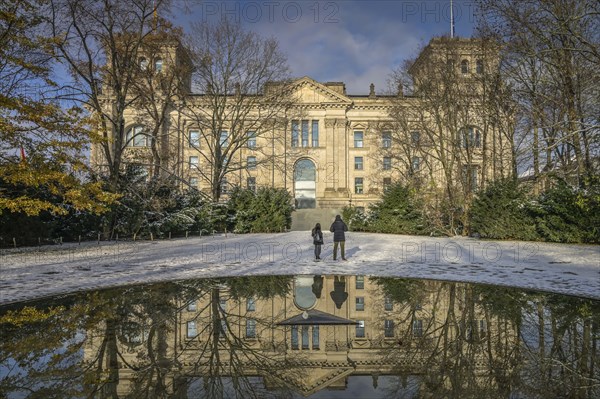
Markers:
point(31, 273)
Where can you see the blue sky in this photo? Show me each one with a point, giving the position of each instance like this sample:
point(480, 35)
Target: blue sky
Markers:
point(355, 41)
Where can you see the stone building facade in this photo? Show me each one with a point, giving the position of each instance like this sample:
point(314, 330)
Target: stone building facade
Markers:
point(335, 149)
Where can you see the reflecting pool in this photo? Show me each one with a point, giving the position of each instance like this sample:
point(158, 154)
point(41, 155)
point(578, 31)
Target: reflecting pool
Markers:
point(302, 336)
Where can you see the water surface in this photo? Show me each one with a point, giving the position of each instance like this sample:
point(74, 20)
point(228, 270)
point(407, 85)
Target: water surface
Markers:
point(302, 336)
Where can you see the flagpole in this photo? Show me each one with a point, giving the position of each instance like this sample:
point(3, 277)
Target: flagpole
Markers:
point(451, 20)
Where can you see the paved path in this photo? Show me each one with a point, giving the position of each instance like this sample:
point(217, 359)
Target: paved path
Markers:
point(38, 272)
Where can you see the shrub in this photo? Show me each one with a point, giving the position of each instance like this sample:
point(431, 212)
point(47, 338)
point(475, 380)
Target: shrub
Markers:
point(567, 214)
point(398, 212)
point(355, 218)
point(267, 210)
point(501, 211)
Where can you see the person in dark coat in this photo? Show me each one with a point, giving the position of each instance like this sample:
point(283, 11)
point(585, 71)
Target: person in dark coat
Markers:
point(317, 236)
point(317, 287)
point(339, 294)
point(338, 227)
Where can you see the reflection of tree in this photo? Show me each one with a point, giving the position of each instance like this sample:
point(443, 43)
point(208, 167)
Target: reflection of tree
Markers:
point(454, 340)
point(223, 353)
point(132, 336)
point(33, 349)
point(263, 287)
point(560, 348)
point(446, 332)
point(127, 343)
point(480, 341)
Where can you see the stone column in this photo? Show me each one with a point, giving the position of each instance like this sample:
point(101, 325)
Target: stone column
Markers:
point(330, 177)
point(336, 168)
point(341, 137)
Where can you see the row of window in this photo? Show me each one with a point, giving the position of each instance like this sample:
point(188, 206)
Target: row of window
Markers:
point(300, 334)
point(158, 64)
point(469, 179)
point(465, 66)
point(300, 339)
point(251, 163)
point(387, 163)
point(470, 137)
point(307, 337)
point(250, 305)
point(192, 329)
point(250, 184)
point(135, 137)
point(194, 139)
point(301, 136)
point(359, 184)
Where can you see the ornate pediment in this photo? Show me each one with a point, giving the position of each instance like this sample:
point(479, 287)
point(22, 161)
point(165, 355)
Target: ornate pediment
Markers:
point(309, 91)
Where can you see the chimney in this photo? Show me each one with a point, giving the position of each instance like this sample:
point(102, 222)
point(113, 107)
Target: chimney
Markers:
point(338, 87)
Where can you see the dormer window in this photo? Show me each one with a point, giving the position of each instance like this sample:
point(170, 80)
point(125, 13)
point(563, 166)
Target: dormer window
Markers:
point(464, 67)
point(158, 64)
point(143, 64)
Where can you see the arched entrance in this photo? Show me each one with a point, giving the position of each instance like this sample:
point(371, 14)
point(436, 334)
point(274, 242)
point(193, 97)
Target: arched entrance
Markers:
point(305, 184)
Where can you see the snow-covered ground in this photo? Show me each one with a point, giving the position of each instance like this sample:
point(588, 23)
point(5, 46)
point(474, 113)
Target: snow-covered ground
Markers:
point(37, 272)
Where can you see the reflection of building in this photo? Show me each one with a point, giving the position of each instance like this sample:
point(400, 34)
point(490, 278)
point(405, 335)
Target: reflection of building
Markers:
point(419, 332)
point(340, 149)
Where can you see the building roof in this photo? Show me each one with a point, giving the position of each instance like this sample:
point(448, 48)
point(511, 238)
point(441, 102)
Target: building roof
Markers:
point(316, 317)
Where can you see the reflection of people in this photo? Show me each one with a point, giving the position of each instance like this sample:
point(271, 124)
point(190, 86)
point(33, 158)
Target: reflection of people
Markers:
point(317, 236)
point(317, 286)
point(339, 294)
point(338, 227)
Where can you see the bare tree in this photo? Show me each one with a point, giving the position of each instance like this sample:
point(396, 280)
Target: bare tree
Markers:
point(101, 42)
point(161, 84)
point(551, 56)
point(245, 93)
point(454, 130)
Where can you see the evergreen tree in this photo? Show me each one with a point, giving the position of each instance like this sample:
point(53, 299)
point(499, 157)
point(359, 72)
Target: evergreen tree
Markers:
point(501, 211)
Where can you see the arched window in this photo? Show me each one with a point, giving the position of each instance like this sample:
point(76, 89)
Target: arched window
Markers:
point(143, 64)
point(158, 64)
point(136, 137)
point(479, 67)
point(464, 67)
point(305, 184)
